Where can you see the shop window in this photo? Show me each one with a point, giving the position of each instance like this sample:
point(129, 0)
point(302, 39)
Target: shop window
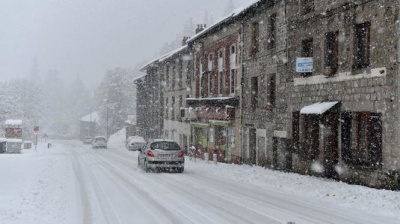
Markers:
point(362, 138)
point(362, 45)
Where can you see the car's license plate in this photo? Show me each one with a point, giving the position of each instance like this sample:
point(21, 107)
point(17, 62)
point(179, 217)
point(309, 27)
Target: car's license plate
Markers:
point(164, 156)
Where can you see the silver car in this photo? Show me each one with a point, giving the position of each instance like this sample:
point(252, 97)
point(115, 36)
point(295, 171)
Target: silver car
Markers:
point(134, 143)
point(99, 142)
point(161, 154)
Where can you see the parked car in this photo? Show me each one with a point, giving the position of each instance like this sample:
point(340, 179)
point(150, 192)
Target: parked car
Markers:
point(159, 154)
point(87, 140)
point(134, 143)
point(99, 142)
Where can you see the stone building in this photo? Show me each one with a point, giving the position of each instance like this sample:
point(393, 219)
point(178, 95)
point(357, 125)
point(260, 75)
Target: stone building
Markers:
point(301, 85)
point(345, 110)
point(264, 94)
point(149, 104)
point(176, 77)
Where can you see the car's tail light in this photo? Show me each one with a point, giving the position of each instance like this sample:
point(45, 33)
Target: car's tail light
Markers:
point(181, 154)
point(150, 153)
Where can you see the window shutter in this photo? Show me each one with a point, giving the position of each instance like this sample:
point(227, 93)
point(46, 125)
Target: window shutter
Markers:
point(295, 131)
point(346, 136)
point(375, 147)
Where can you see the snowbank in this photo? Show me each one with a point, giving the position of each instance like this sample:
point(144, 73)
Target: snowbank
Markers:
point(117, 140)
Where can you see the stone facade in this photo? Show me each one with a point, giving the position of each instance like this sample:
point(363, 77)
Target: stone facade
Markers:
point(365, 146)
point(149, 104)
point(264, 92)
point(338, 120)
point(176, 78)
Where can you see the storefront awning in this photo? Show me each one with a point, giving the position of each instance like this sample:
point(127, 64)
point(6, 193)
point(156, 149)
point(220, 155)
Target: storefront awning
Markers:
point(318, 108)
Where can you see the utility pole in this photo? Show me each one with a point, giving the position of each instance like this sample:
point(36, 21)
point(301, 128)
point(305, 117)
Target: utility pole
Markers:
point(106, 104)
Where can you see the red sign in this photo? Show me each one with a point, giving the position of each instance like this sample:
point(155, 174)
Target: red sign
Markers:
point(36, 129)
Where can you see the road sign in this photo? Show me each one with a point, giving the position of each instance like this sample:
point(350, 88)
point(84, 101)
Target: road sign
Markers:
point(36, 129)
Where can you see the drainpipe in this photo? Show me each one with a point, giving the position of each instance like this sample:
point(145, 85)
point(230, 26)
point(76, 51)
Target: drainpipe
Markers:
point(241, 89)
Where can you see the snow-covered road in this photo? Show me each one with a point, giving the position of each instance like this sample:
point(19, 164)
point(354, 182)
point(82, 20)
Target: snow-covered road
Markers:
point(76, 184)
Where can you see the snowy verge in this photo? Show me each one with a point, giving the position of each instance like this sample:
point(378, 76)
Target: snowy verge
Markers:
point(380, 202)
point(35, 185)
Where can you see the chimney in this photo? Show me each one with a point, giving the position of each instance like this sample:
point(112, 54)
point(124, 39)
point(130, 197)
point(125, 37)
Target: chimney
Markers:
point(200, 28)
point(184, 40)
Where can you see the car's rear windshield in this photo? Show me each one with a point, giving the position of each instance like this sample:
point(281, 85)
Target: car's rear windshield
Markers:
point(100, 139)
point(165, 146)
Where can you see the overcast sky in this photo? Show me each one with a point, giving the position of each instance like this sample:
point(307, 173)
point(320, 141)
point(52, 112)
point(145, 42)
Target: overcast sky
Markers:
point(87, 37)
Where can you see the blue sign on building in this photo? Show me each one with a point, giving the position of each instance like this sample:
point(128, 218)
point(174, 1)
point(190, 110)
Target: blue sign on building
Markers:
point(304, 65)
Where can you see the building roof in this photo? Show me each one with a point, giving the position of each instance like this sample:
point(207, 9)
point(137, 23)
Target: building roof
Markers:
point(234, 14)
point(163, 57)
point(13, 122)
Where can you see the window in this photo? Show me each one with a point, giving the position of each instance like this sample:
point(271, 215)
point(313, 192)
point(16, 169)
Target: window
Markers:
point(254, 92)
point(362, 138)
point(188, 78)
point(271, 90)
point(307, 48)
point(254, 38)
point(232, 79)
point(232, 73)
point(202, 80)
point(362, 45)
point(331, 50)
point(180, 74)
point(220, 71)
point(272, 31)
point(167, 76)
point(173, 77)
point(173, 109)
point(210, 62)
point(210, 84)
point(307, 6)
point(166, 109)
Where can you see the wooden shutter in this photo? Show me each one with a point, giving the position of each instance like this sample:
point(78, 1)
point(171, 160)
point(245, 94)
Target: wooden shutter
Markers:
point(295, 131)
point(346, 136)
point(375, 144)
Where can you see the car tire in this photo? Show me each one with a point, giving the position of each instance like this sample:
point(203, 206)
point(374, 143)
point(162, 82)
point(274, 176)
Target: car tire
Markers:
point(146, 169)
point(180, 170)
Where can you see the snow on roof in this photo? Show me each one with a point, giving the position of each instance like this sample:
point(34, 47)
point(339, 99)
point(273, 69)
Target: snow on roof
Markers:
point(213, 98)
point(318, 108)
point(13, 122)
point(140, 77)
point(14, 140)
point(227, 18)
point(174, 52)
point(162, 58)
point(93, 117)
